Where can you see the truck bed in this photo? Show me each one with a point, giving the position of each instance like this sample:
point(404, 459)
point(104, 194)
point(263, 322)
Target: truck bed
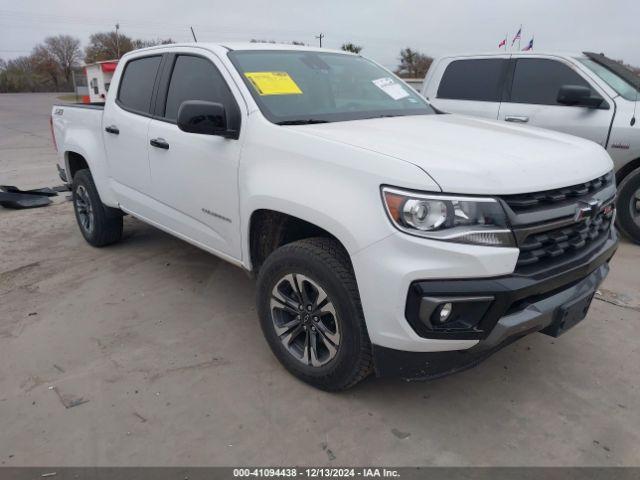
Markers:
point(75, 127)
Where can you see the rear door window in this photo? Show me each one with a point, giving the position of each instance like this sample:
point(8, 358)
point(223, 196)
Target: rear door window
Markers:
point(475, 79)
point(538, 81)
point(136, 85)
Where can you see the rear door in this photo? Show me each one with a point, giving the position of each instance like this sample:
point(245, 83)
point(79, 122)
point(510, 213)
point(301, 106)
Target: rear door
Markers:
point(126, 123)
point(195, 176)
point(531, 98)
point(471, 86)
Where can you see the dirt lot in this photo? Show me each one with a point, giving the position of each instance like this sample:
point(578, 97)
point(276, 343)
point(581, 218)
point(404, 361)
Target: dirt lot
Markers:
point(162, 342)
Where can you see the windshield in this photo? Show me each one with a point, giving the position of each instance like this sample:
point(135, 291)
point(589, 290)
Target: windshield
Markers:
point(298, 87)
point(620, 85)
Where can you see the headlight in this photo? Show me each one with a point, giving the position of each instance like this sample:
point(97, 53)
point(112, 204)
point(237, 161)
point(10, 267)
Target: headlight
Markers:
point(475, 220)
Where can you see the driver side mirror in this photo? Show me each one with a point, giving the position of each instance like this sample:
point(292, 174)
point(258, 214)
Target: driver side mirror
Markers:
point(578, 96)
point(206, 118)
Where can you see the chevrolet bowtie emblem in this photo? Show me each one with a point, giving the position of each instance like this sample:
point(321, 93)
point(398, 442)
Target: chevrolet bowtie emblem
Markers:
point(587, 210)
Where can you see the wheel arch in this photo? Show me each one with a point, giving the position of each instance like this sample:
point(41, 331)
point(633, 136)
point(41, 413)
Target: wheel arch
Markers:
point(269, 228)
point(74, 162)
point(77, 158)
point(627, 169)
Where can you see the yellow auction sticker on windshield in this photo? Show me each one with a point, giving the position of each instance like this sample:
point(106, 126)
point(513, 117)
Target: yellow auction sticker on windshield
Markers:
point(273, 83)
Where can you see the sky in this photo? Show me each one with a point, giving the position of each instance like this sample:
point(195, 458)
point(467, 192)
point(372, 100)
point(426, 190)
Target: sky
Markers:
point(382, 27)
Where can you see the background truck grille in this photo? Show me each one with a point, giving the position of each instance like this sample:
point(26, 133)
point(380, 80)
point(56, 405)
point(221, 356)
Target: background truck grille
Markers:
point(526, 201)
point(552, 246)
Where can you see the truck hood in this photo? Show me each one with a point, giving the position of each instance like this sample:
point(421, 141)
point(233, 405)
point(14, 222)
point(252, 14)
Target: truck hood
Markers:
point(475, 156)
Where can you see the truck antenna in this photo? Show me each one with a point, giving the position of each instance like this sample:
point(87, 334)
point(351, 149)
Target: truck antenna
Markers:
point(194, 35)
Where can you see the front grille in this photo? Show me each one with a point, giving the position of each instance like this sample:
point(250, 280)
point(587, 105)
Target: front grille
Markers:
point(552, 246)
point(523, 202)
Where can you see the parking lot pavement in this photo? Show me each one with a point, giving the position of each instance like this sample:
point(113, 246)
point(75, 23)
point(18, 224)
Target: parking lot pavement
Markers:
point(161, 342)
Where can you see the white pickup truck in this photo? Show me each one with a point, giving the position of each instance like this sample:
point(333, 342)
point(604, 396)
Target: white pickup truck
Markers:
point(588, 95)
point(385, 237)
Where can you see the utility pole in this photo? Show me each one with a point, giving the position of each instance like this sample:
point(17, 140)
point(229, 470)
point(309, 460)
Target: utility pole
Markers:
point(320, 37)
point(117, 41)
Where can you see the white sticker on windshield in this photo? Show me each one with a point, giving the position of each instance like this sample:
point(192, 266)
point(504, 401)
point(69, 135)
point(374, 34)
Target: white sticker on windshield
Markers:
point(391, 88)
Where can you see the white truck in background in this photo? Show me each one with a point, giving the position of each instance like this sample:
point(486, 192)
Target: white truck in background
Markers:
point(588, 95)
point(385, 237)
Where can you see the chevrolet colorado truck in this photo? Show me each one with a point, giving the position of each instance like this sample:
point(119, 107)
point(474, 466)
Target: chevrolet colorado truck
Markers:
point(584, 94)
point(385, 237)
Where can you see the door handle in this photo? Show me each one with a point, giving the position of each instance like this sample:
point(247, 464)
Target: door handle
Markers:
point(112, 129)
point(159, 143)
point(516, 119)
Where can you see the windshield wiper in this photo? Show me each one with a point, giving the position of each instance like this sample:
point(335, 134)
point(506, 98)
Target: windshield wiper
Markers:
point(308, 121)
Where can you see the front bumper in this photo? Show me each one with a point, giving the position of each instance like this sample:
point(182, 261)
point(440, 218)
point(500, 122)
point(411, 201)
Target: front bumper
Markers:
point(523, 305)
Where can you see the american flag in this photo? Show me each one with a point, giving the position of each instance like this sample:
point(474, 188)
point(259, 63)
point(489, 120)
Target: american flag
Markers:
point(517, 37)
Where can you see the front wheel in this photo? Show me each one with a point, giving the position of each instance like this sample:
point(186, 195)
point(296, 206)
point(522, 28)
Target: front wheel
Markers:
point(628, 206)
point(311, 315)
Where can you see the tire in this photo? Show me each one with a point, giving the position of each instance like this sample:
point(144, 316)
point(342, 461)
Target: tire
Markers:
point(316, 266)
point(628, 206)
point(100, 225)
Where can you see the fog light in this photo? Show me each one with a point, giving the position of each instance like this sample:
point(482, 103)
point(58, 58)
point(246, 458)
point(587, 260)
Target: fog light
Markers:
point(445, 312)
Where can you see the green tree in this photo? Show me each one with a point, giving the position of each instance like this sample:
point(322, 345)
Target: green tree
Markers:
point(19, 75)
point(351, 47)
point(413, 64)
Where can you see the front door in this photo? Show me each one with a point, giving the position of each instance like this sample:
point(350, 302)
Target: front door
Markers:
point(532, 100)
point(195, 176)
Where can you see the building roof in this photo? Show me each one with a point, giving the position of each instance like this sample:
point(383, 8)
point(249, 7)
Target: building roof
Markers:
point(100, 62)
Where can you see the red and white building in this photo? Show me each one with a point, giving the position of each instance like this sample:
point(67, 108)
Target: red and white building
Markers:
point(99, 76)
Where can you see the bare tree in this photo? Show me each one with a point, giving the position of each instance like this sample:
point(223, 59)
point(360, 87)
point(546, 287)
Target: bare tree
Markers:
point(413, 64)
point(351, 47)
point(294, 42)
point(106, 46)
point(46, 65)
point(66, 51)
point(139, 43)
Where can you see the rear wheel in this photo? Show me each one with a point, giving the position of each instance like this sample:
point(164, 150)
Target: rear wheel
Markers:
point(100, 225)
point(311, 315)
point(628, 206)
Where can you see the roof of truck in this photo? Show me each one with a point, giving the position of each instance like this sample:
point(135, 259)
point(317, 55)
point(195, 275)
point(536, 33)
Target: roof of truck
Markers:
point(244, 46)
point(502, 53)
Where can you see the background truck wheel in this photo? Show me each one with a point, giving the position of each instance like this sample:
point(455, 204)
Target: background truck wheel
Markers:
point(628, 206)
point(311, 315)
point(100, 225)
